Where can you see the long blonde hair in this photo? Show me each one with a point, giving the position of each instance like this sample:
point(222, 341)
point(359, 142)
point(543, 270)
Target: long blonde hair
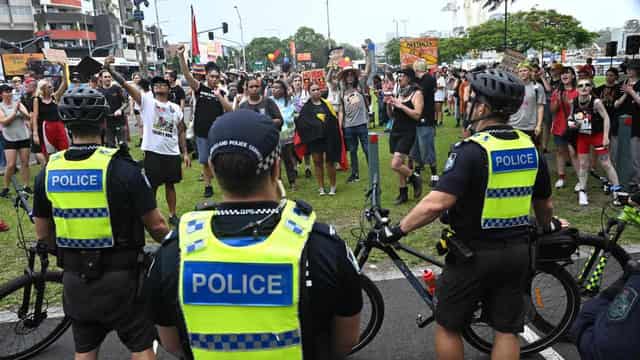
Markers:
point(40, 89)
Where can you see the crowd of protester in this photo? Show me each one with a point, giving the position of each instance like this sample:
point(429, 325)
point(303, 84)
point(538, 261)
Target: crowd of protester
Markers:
point(322, 126)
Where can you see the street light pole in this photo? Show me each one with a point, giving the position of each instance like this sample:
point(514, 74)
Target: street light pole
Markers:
point(506, 19)
point(244, 56)
point(328, 28)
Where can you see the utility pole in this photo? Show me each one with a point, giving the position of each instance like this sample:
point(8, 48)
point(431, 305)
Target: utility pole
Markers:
point(244, 57)
point(506, 19)
point(143, 45)
point(159, 33)
point(397, 32)
point(328, 28)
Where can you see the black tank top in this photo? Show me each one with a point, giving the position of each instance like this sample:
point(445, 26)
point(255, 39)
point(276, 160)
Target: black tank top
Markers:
point(591, 118)
point(403, 123)
point(47, 112)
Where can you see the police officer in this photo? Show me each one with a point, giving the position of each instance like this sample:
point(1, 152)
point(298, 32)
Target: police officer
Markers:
point(257, 276)
point(488, 185)
point(92, 205)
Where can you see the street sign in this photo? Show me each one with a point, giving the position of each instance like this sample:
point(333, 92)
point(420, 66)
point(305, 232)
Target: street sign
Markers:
point(138, 15)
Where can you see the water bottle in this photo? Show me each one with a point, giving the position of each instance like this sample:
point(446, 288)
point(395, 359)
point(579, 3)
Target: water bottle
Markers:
point(429, 278)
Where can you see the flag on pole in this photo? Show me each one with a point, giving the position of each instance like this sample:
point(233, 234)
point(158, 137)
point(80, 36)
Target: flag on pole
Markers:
point(195, 49)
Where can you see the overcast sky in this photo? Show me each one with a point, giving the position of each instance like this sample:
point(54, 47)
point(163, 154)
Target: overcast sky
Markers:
point(353, 21)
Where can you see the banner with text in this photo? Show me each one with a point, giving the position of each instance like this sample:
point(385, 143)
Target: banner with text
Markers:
point(304, 56)
point(412, 49)
point(17, 64)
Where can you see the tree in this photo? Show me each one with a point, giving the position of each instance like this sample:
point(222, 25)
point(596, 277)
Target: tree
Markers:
point(452, 49)
point(307, 40)
point(392, 51)
point(259, 48)
point(537, 29)
point(352, 52)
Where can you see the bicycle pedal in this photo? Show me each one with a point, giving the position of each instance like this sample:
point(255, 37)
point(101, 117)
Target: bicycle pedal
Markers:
point(421, 321)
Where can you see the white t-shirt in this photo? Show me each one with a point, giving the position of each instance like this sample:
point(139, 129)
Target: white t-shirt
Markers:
point(160, 126)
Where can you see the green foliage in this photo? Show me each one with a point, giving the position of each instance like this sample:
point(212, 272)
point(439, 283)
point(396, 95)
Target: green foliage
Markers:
point(451, 49)
point(260, 47)
point(531, 29)
point(392, 51)
point(352, 52)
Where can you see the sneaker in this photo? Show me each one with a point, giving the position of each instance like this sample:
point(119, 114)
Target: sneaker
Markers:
point(434, 180)
point(3, 226)
point(321, 192)
point(208, 191)
point(577, 188)
point(332, 192)
point(4, 193)
point(307, 173)
point(560, 183)
point(353, 178)
point(583, 199)
point(28, 190)
point(173, 220)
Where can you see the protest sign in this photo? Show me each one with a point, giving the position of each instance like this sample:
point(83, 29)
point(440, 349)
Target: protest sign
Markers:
point(16, 64)
point(316, 76)
point(55, 55)
point(510, 60)
point(304, 56)
point(412, 49)
point(335, 56)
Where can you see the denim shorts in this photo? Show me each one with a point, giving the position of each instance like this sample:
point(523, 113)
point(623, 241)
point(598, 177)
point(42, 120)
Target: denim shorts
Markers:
point(424, 148)
point(204, 148)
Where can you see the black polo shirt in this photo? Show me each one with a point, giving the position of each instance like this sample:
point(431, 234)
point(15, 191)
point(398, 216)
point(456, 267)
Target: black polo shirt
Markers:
point(427, 84)
point(335, 283)
point(128, 193)
point(466, 175)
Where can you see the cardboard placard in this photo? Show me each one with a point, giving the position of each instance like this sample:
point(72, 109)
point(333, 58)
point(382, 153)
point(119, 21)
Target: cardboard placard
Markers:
point(55, 55)
point(304, 56)
point(16, 64)
point(510, 60)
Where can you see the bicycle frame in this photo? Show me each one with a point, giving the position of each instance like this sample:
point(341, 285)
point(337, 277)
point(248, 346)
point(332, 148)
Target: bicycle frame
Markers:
point(39, 250)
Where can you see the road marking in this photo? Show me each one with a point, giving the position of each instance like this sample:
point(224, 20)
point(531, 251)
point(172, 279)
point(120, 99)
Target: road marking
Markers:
point(52, 312)
point(530, 336)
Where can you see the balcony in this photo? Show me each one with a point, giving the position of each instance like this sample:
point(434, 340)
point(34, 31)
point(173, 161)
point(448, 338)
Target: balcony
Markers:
point(68, 34)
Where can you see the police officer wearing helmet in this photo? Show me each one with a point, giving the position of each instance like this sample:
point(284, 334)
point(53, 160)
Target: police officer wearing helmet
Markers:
point(488, 186)
point(257, 277)
point(91, 206)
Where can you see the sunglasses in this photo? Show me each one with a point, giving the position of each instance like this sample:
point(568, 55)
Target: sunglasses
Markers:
point(584, 85)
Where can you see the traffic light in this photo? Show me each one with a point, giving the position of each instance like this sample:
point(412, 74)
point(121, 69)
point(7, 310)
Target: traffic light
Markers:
point(210, 33)
point(225, 28)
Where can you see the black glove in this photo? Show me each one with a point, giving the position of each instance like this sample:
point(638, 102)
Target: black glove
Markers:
point(554, 225)
point(389, 235)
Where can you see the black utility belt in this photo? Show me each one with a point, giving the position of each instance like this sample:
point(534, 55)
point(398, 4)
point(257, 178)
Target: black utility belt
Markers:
point(93, 263)
point(489, 244)
point(450, 244)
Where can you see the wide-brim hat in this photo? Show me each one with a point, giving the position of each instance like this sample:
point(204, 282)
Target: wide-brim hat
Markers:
point(343, 73)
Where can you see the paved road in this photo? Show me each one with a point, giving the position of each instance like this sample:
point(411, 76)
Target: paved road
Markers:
point(399, 337)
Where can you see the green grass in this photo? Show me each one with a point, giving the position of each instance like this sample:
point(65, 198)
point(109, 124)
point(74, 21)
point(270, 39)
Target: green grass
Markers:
point(345, 208)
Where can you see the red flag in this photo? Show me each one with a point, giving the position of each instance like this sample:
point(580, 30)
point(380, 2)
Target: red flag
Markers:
point(195, 49)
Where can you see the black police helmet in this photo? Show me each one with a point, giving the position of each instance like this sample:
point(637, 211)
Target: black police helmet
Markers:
point(83, 106)
point(501, 90)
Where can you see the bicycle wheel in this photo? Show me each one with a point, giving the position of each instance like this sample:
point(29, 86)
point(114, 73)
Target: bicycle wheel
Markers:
point(22, 335)
point(605, 270)
point(552, 300)
point(372, 313)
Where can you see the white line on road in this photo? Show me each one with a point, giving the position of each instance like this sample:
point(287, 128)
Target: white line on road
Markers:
point(548, 353)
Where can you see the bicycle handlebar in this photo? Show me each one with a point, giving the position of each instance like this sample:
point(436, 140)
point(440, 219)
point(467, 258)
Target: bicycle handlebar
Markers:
point(21, 199)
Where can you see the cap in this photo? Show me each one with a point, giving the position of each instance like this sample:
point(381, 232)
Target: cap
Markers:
point(229, 134)
point(5, 87)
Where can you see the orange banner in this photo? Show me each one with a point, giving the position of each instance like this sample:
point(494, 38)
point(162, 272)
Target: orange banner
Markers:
point(304, 56)
point(16, 64)
point(419, 48)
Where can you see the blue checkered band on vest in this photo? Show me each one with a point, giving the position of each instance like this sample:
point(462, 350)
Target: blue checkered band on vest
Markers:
point(84, 243)
point(244, 342)
point(510, 192)
point(505, 223)
point(81, 213)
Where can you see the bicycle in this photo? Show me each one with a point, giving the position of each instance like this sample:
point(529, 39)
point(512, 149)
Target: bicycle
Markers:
point(562, 296)
point(29, 321)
